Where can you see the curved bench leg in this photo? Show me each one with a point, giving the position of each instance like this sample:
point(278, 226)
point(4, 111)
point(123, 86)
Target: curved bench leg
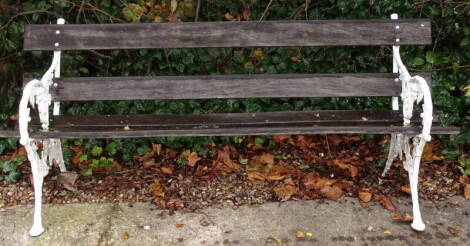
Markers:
point(39, 168)
point(413, 171)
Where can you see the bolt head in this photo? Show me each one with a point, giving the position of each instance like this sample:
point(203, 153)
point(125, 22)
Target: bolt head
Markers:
point(397, 40)
point(57, 32)
point(397, 27)
point(55, 85)
point(422, 25)
point(56, 44)
point(397, 80)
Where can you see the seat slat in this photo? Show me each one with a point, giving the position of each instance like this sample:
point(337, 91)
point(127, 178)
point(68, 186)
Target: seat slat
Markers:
point(227, 34)
point(266, 123)
point(230, 119)
point(103, 132)
point(227, 86)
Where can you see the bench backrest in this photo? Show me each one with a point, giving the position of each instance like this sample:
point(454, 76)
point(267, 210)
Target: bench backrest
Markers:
point(227, 34)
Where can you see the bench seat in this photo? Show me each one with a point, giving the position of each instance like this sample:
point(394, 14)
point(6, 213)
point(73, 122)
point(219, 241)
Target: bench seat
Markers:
point(232, 124)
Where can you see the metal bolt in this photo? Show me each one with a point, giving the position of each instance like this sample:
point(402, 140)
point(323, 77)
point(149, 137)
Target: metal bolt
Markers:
point(397, 40)
point(397, 27)
point(397, 80)
point(55, 85)
point(56, 44)
point(57, 32)
point(422, 25)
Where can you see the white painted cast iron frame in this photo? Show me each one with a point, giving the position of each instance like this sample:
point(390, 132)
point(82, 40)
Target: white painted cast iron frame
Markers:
point(414, 90)
point(36, 92)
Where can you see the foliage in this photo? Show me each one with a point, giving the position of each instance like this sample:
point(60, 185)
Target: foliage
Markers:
point(448, 59)
point(10, 169)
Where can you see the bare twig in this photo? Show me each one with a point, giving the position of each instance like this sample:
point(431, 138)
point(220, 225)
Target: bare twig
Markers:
point(197, 10)
point(328, 147)
point(266, 10)
point(27, 13)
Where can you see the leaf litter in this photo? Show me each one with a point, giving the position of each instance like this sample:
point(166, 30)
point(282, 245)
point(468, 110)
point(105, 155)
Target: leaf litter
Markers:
point(294, 167)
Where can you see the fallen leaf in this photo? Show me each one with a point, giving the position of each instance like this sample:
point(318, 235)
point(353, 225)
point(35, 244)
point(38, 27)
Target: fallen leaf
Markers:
point(193, 158)
point(282, 139)
point(149, 163)
point(126, 128)
point(334, 139)
point(406, 189)
point(277, 240)
point(454, 231)
point(299, 234)
point(174, 5)
point(167, 170)
point(405, 218)
point(157, 189)
point(284, 191)
point(267, 158)
point(309, 234)
point(14, 117)
point(370, 228)
point(275, 176)
point(256, 176)
point(332, 192)
point(352, 138)
point(353, 170)
point(466, 192)
point(223, 163)
point(386, 202)
point(387, 232)
point(204, 222)
point(68, 180)
point(179, 225)
point(125, 235)
point(365, 195)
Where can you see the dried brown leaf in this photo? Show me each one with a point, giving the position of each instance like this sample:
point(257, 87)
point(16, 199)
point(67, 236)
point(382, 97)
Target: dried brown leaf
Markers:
point(365, 195)
point(68, 180)
point(267, 158)
point(285, 191)
point(406, 189)
point(386, 202)
point(403, 218)
point(179, 225)
point(256, 176)
point(466, 192)
point(167, 170)
point(332, 192)
point(156, 188)
point(335, 140)
point(282, 139)
point(193, 158)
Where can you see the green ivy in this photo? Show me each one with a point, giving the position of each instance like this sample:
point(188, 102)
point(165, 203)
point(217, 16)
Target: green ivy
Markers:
point(448, 59)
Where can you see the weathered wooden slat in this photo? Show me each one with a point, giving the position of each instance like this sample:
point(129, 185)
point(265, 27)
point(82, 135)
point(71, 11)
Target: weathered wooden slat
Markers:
point(227, 86)
point(93, 132)
point(227, 34)
point(230, 119)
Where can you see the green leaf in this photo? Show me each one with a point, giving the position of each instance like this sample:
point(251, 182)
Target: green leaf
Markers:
point(418, 61)
point(259, 141)
point(96, 151)
point(83, 158)
point(465, 42)
point(111, 148)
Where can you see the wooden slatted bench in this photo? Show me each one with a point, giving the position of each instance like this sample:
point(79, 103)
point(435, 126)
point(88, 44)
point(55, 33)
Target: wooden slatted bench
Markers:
point(52, 89)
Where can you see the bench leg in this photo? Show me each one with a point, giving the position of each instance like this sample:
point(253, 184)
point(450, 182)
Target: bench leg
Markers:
point(54, 149)
point(412, 167)
point(39, 168)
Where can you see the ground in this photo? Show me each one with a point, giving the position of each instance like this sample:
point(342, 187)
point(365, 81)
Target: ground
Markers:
point(319, 222)
point(330, 186)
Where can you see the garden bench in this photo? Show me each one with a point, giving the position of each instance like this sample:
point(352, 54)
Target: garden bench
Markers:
point(52, 89)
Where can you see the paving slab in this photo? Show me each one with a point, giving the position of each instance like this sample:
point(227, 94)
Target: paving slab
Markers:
point(343, 222)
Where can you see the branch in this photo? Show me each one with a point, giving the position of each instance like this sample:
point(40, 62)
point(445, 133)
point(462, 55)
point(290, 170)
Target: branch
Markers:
point(27, 13)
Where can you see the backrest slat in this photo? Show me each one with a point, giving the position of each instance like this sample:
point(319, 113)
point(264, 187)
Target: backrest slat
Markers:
point(227, 34)
point(227, 86)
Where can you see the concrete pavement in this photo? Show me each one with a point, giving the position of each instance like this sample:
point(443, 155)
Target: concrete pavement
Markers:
point(342, 222)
